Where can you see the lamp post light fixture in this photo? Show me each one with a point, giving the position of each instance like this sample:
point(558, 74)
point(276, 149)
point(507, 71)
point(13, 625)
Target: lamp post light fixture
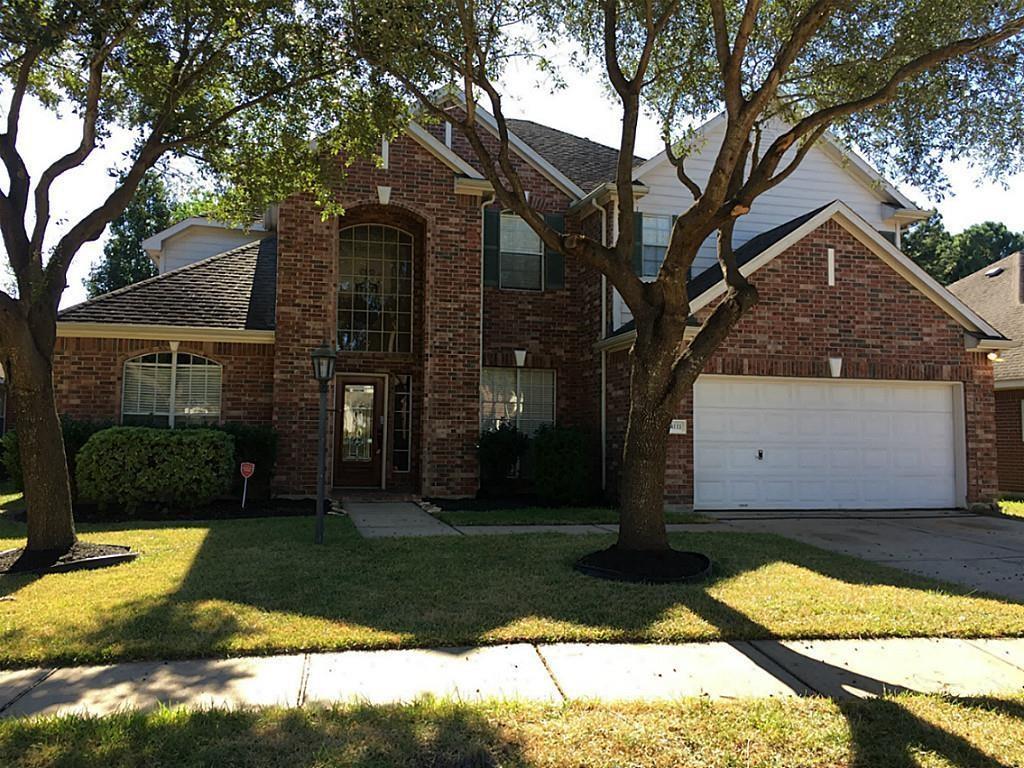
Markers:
point(324, 358)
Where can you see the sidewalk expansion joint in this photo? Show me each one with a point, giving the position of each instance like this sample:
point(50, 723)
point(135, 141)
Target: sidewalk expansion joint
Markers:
point(551, 673)
point(42, 679)
point(303, 680)
point(791, 672)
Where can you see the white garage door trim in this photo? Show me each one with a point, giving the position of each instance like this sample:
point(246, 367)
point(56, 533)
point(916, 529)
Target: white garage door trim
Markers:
point(828, 443)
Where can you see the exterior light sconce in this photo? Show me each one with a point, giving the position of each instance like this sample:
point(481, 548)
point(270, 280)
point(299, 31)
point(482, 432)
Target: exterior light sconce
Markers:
point(995, 357)
point(520, 357)
point(384, 195)
point(835, 366)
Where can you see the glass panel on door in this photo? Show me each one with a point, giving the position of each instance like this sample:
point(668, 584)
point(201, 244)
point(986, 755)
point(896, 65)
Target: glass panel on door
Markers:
point(357, 422)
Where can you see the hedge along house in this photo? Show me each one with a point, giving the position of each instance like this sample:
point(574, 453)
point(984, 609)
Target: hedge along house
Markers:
point(452, 318)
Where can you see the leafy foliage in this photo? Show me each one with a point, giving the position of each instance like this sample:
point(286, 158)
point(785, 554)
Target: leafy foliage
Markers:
point(500, 451)
point(124, 261)
point(562, 465)
point(131, 466)
point(76, 433)
point(949, 258)
point(258, 444)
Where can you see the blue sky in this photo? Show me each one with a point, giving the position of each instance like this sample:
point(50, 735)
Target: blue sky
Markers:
point(581, 108)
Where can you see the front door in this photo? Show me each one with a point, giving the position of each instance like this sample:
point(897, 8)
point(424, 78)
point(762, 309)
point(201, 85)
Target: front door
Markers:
point(360, 432)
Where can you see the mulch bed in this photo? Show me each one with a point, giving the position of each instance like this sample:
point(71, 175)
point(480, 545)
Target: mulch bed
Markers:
point(657, 567)
point(81, 556)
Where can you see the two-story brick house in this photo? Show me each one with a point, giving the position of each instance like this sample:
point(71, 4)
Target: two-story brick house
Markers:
point(856, 382)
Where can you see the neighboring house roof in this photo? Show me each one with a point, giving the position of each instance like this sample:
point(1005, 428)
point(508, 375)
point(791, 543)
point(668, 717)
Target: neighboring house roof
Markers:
point(994, 292)
point(586, 162)
point(760, 250)
point(235, 290)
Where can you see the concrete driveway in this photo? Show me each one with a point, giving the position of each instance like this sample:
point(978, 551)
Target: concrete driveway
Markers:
point(986, 553)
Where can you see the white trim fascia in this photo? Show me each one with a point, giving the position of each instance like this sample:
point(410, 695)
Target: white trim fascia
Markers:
point(428, 141)
point(604, 193)
point(979, 344)
point(154, 243)
point(473, 187)
point(162, 332)
point(848, 160)
point(623, 340)
point(1009, 383)
point(521, 148)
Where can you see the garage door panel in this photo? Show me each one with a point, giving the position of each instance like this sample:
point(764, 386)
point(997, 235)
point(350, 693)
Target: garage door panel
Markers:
point(826, 444)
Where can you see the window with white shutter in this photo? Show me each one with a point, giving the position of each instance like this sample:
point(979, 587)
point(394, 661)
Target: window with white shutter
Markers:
point(521, 397)
point(147, 398)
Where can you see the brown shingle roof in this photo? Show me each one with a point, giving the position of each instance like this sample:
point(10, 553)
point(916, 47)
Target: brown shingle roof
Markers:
point(236, 289)
point(584, 161)
point(998, 300)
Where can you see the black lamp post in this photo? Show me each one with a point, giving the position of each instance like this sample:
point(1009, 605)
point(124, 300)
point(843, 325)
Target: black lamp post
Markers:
point(323, 371)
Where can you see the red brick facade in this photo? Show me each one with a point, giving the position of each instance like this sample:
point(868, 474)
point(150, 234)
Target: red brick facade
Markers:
point(88, 372)
point(879, 324)
point(1010, 448)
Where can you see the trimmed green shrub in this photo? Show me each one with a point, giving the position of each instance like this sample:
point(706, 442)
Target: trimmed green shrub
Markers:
point(76, 434)
point(562, 465)
point(257, 444)
point(131, 466)
point(499, 452)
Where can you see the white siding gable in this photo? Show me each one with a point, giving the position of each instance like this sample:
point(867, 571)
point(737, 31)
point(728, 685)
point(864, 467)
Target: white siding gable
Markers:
point(819, 179)
point(198, 242)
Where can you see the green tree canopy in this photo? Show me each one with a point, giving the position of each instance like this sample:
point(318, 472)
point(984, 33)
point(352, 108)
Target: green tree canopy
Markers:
point(948, 257)
point(124, 261)
point(254, 93)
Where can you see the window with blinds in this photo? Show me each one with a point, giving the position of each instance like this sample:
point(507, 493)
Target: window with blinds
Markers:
point(148, 399)
point(522, 397)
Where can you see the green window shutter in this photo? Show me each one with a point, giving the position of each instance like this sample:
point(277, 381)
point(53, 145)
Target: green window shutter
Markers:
point(492, 246)
point(638, 243)
point(554, 262)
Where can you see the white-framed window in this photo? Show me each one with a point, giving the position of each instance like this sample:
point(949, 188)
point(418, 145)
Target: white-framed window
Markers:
point(167, 389)
point(522, 255)
point(522, 397)
point(656, 232)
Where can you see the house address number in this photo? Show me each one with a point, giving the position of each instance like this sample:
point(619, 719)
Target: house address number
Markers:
point(677, 427)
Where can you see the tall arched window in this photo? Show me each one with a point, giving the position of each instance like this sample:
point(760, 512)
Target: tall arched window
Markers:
point(375, 289)
point(171, 389)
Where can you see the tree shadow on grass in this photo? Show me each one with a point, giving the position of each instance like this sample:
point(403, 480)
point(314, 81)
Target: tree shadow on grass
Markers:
point(442, 736)
point(468, 591)
point(449, 591)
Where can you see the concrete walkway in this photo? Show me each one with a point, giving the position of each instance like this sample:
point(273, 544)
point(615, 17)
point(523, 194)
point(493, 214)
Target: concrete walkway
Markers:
point(390, 519)
point(547, 673)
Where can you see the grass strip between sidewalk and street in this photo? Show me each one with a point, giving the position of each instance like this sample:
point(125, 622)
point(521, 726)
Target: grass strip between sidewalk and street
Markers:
point(896, 732)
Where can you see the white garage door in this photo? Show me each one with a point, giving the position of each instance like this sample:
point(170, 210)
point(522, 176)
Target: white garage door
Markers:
point(774, 443)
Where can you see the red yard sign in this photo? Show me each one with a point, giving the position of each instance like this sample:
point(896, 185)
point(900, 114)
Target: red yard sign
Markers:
point(247, 469)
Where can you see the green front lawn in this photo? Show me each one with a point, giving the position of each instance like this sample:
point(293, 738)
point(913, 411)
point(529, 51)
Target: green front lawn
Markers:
point(552, 516)
point(897, 732)
point(261, 586)
point(1012, 508)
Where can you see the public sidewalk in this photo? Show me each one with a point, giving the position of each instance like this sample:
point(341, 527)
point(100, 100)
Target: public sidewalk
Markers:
point(551, 673)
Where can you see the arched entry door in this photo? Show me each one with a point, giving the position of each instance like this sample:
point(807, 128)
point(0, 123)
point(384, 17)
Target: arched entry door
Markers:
point(375, 326)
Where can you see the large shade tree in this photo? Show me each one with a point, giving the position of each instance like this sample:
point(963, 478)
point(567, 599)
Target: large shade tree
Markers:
point(910, 83)
point(241, 88)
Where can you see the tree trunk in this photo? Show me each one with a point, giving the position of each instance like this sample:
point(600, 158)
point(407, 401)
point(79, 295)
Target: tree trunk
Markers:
point(51, 526)
point(642, 482)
